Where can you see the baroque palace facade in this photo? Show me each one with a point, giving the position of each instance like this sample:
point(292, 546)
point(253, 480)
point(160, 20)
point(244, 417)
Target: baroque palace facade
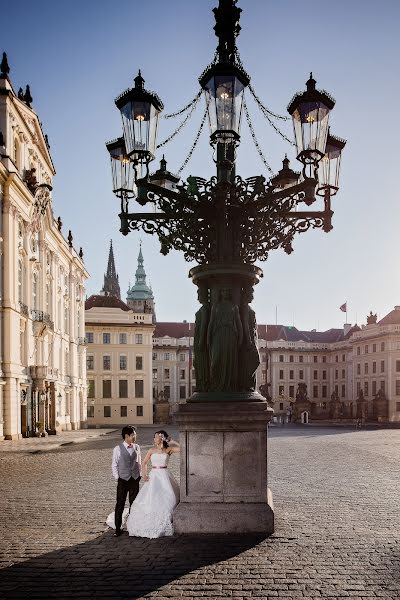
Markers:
point(336, 375)
point(42, 352)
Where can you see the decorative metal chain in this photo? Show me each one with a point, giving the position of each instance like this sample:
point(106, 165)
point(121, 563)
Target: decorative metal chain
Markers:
point(253, 135)
point(192, 149)
point(270, 121)
point(266, 112)
point(185, 108)
point(181, 126)
point(263, 107)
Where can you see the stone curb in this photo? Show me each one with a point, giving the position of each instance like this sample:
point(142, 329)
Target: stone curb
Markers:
point(48, 447)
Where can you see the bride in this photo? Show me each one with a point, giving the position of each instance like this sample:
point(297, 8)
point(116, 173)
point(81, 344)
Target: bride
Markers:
point(150, 514)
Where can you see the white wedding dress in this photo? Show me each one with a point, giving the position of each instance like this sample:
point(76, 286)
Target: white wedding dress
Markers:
point(150, 515)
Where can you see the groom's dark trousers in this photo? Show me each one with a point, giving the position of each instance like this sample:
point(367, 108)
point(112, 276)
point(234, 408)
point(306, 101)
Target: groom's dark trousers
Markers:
point(123, 488)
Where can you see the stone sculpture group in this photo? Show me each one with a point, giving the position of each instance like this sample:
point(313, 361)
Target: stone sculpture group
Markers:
point(226, 355)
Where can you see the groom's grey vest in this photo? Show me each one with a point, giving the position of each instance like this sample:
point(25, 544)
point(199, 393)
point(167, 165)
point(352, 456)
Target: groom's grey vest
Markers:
point(127, 465)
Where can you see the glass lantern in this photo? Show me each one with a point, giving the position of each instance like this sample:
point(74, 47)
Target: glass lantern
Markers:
point(164, 178)
point(310, 113)
point(286, 177)
point(122, 170)
point(329, 166)
point(223, 86)
point(140, 110)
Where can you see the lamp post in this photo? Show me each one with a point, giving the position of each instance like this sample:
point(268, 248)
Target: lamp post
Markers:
point(225, 225)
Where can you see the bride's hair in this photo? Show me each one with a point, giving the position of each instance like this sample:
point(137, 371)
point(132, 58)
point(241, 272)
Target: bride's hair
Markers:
point(165, 437)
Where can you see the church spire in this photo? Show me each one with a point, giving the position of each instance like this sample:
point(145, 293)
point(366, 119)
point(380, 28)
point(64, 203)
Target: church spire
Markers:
point(140, 274)
point(111, 280)
point(140, 296)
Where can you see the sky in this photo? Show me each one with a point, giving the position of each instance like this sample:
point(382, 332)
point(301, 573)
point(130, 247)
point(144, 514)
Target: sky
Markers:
point(79, 56)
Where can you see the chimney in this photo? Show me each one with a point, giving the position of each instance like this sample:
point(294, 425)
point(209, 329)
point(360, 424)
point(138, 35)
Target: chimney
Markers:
point(346, 328)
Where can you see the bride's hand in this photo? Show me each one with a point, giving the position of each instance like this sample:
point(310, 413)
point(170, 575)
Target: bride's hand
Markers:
point(145, 477)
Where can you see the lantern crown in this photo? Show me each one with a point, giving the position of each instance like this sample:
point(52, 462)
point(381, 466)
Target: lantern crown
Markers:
point(139, 93)
point(311, 95)
point(286, 176)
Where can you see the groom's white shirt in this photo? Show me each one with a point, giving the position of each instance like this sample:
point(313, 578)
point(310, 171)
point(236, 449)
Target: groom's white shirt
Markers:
point(117, 454)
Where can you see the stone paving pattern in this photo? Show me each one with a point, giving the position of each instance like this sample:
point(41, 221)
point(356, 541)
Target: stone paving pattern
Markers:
point(336, 495)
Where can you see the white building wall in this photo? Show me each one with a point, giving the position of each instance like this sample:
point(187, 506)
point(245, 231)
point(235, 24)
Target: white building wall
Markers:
point(33, 373)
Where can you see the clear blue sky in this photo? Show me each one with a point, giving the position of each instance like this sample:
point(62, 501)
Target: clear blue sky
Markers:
point(78, 56)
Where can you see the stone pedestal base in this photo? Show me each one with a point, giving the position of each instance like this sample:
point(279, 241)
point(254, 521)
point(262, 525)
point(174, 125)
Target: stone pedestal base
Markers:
point(224, 468)
point(215, 517)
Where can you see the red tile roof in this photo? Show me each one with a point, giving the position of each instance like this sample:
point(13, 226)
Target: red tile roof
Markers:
point(392, 318)
point(174, 330)
point(105, 302)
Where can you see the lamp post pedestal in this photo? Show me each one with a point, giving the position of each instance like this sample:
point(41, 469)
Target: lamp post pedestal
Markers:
point(224, 468)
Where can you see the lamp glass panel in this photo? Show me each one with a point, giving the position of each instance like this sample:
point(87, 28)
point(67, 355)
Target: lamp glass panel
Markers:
point(310, 121)
point(122, 175)
point(139, 121)
point(329, 169)
point(224, 97)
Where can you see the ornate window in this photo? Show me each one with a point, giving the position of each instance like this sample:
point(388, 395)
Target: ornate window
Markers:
point(20, 280)
point(17, 154)
point(35, 291)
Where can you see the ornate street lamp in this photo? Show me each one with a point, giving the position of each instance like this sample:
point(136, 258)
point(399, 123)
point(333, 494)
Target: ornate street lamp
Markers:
point(310, 113)
point(223, 85)
point(225, 225)
point(139, 111)
point(286, 177)
point(329, 166)
point(122, 170)
point(328, 174)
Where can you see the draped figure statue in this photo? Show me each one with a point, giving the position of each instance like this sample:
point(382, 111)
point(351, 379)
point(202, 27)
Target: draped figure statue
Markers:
point(249, 355)
point(201, 361)
point(224, 337)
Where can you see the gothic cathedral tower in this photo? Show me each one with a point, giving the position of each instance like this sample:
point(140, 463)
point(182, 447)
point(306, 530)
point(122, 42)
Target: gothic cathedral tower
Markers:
point(111, 282)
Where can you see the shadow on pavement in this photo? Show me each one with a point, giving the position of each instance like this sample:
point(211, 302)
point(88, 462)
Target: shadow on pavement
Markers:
point(124, 567)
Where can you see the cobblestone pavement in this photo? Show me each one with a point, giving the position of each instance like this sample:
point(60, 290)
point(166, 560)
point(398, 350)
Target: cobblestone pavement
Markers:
point(336, 495)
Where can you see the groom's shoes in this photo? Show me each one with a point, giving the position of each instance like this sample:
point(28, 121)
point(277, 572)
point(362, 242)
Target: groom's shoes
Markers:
point(117, 533)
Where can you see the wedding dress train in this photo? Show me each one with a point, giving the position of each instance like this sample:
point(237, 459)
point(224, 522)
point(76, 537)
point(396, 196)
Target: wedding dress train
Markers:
point(150, 515)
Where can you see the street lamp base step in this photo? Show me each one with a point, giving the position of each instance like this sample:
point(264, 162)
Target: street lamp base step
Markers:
point(220, 518)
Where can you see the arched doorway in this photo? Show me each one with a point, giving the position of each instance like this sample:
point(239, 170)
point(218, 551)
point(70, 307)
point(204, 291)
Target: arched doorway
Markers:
point(304, 417)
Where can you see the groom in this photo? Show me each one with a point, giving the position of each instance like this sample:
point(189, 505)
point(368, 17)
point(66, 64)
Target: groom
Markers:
point(127, 470)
